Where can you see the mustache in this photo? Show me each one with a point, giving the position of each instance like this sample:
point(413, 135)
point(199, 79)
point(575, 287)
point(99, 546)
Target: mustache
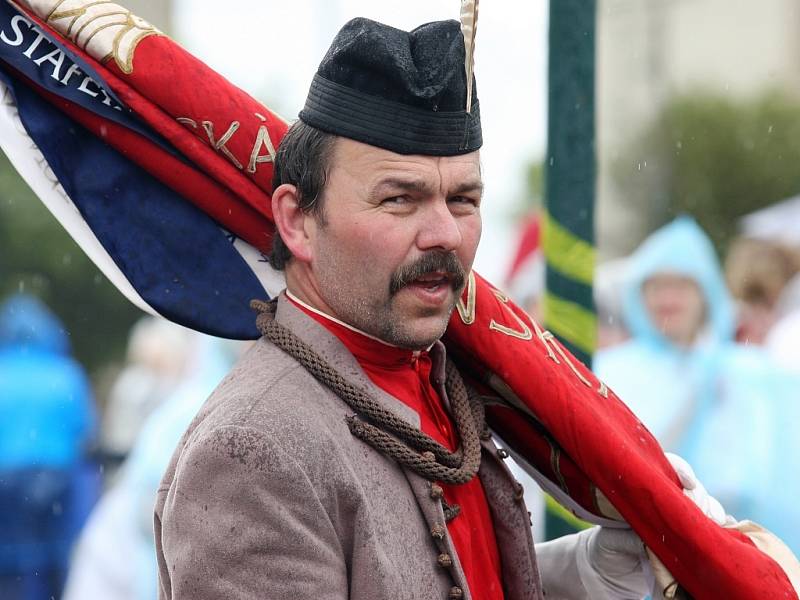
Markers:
point(431, 262)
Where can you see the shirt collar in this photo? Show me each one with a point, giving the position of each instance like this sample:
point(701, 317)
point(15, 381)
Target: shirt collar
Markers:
point(365, 347)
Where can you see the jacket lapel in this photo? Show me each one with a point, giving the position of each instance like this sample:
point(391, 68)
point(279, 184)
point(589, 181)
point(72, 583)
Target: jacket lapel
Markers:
point(433, 512)
point(512, 525)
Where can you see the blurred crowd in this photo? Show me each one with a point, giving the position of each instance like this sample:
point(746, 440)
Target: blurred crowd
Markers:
point(707, 357)
point(76, 489)
point(697, 371)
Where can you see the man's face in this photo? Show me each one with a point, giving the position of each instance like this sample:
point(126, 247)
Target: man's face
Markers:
point(397, 238)
point(676, 306)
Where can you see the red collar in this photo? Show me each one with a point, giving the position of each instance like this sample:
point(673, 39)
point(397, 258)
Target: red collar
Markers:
point(364, 347)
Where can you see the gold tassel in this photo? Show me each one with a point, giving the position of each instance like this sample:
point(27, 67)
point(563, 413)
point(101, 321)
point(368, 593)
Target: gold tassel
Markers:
point(469, 23)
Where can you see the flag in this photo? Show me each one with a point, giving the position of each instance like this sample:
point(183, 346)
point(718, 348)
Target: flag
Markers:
point(136, 196)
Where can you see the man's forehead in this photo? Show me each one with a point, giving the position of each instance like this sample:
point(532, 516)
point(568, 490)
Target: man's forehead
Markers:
point(373, 164)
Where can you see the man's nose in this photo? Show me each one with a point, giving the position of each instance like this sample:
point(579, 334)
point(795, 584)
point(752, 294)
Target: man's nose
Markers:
point(438, 228)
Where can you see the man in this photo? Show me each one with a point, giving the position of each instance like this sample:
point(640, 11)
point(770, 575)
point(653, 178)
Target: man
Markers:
point(343, 457)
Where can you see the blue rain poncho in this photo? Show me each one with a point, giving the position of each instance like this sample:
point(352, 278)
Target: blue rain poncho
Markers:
point(46, 408)
point(47, 422)
point(720, 405)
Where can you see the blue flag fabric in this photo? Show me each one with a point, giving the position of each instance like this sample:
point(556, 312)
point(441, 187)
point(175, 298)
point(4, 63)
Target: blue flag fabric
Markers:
point(181, 263)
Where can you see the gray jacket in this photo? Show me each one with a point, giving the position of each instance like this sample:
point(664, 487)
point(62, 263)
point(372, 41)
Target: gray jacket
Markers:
point(268, 495)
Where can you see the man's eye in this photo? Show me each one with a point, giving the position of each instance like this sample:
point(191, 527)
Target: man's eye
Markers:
point(463, 200)
point(395, 200)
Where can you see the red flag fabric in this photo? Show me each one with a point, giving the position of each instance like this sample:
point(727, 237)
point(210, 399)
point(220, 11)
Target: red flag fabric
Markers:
point(550, 409)
point(224, 132)
point(558, 415)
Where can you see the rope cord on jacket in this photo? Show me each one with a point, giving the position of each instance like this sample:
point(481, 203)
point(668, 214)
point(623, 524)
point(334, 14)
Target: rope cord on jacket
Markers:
point(382, 429)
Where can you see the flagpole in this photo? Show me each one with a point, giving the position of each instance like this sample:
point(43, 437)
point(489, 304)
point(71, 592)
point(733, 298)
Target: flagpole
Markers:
point(568, 223)
point(568, 231)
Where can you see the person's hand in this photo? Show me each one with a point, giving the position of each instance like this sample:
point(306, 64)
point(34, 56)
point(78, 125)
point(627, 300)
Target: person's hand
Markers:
point(611, 563)
point(614, 553)
point(693, 489)
point(666, 584)
point(596, 563)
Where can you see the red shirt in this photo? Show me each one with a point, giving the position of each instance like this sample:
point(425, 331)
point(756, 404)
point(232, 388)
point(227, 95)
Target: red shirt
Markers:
point(406, 375)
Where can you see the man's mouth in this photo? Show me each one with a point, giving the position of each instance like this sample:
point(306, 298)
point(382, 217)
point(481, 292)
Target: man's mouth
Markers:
point(434, 271)
point(432, 281)
point(432, 289)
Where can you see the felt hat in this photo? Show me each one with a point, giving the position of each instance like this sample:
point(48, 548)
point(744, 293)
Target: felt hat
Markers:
point(404, 91)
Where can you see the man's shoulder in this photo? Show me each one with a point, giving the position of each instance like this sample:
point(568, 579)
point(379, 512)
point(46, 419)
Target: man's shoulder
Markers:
point(266, 389)
point(268, 399)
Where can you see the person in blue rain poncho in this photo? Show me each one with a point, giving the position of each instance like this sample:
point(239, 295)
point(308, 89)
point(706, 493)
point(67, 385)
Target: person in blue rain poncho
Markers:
point(47, 423)
point(720, 405)
point(116, 556)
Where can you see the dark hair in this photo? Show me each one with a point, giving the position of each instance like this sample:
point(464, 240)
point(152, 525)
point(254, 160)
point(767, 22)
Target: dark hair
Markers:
point(302, 160)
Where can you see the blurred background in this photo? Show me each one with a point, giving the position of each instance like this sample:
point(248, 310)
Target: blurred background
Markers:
point(666, 170)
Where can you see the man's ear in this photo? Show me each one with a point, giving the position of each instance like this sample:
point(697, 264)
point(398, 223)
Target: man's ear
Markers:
point(290, 221)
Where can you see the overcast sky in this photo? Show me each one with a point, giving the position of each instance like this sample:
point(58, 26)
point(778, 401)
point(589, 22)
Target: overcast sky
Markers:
point(272, 49)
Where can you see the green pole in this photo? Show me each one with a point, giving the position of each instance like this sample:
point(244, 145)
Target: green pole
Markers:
point(570, 177)
point(568, 224)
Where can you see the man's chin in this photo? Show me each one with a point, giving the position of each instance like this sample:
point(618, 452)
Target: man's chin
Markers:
point(420, 331)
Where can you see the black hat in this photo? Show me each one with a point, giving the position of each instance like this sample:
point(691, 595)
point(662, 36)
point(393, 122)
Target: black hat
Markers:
point(399, 90)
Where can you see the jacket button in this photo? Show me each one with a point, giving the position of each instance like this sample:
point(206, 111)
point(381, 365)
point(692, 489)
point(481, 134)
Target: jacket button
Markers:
point(456, 593)
point(519, 492)
point(436, 491)
point(437, 531)
point(445, 561)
